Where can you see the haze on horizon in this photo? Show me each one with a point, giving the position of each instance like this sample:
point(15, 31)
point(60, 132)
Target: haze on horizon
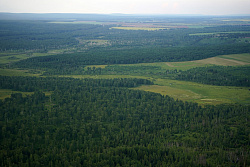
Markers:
point(204, 7)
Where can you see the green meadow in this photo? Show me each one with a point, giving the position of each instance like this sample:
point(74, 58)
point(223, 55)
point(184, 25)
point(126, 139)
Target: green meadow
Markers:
point(200, 93)
point(215, 33)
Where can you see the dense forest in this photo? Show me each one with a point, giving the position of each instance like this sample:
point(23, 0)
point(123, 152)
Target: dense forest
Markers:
point(218, 75)
point(91, 124)
point(50, 118)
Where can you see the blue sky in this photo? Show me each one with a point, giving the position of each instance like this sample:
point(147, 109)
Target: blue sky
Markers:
point(206, 7)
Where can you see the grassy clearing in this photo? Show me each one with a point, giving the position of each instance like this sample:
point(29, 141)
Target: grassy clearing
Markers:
point(222, 61)
point(138, 28)
point(76, 22)
point(96, 66)
point(17, 72)
point(95, 41)
point(104, 76)
point(168, 65)
point(5, 93)
point(200, 93)
point(225, 60)
point(238, 57)
point(215, 33)
point(10, 57)
point(176, 93)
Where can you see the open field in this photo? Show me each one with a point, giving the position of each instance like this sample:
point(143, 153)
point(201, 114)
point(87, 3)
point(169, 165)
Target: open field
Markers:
point(18, 72)
point(96, 66)
point(104, 76)
point(224, 60)
point(239, 57)
point(5, 93)
point(76, 22)
point(11, 57)
point(139, 28)
point(199, 93)
point(215, 33)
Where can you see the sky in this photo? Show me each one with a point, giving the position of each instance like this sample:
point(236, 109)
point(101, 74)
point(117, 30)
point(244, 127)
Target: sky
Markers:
point(204, 7)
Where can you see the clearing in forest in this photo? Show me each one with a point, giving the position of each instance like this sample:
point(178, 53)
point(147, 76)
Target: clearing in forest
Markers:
point(224, 60)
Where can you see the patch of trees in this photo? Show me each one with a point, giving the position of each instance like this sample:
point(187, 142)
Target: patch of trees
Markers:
point(31, 84)
point(85, 125)
point(217, 75)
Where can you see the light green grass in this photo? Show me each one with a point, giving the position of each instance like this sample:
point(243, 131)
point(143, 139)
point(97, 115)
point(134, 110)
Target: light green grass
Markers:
point(10, 57)
point(76, 22)
point(5, 93)
point(215, 33)
point(103, 76)
point(225, 60)
point(239, 57)
point(138, 28)
point(200, 93)
point(16, 72)
point(96, 66)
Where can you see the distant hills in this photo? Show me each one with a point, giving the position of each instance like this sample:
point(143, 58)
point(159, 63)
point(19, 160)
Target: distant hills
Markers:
point(86, 16)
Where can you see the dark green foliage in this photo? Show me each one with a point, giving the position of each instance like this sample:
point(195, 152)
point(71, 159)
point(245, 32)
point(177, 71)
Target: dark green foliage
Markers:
point(28, 35)
point(84, 125)
point(30, 84)
point(218, 75)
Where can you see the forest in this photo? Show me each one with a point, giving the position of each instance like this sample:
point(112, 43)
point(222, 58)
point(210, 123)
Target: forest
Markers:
point(218, 75)
point(69, 90)
point(91, 124)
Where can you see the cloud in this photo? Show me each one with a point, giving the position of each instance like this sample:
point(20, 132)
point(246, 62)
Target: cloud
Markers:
point(165, 5)
point(127, 6)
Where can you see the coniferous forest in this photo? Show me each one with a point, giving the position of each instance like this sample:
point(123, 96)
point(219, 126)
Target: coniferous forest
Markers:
point(73, 99)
